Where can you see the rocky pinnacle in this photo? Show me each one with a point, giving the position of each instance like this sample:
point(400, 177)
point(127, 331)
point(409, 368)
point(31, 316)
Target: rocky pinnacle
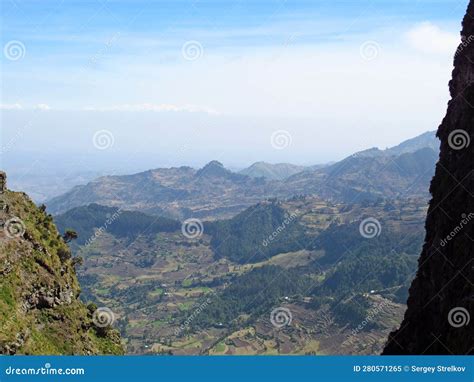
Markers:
point(440, 316)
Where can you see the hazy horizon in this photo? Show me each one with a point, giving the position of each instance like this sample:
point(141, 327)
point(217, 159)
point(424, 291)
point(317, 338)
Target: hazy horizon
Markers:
point(118, 161)
point(127, 86)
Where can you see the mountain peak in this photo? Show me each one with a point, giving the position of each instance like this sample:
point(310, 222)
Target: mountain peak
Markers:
point(277, 171)
point(214, 163)
point(427, 139)
point(213, 168)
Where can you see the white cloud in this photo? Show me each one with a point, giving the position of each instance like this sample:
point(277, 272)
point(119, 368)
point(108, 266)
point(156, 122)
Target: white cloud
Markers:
point(17, 106)
point(331, 100)
point(155, 108)
point(429, 38)
point(42, 106)
point(13, 106)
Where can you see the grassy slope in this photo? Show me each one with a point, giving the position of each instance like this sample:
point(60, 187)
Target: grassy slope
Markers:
point(31, 270)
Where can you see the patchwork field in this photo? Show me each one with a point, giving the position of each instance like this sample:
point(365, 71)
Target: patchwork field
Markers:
point(162, 286)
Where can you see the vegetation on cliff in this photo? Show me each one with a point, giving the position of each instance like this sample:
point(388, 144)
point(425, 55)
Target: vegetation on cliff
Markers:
point(40, 312)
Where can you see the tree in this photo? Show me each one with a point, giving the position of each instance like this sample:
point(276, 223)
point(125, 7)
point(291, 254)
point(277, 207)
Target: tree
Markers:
point(77, 261)
point(64, 254)
point(70, 235)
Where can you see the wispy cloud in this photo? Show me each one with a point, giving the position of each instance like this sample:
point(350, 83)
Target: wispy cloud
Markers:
point(155, 108)
point(42, 106)
point(17, 106)
point(429, 38)
point(11, 106)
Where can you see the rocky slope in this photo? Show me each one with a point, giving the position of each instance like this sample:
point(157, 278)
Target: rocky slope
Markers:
point(368, 176)
point(441, 300)
point(40, 312)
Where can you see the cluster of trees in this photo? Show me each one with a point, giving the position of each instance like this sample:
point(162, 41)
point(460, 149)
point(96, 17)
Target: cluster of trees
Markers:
point(339, 241)
point(253, 293)
point(353, 265)
point(260, 232)
point(86, 219)
point(368, 268)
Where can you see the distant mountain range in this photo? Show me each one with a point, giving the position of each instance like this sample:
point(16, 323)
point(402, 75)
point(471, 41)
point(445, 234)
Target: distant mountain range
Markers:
point(364, 177)
point(214, 192)
point(425, 140)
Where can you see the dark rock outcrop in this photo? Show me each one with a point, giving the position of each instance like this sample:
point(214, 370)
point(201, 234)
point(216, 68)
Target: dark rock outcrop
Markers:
point(440, 316)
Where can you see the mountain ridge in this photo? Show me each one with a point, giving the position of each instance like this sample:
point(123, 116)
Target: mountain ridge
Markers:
point(214, 192)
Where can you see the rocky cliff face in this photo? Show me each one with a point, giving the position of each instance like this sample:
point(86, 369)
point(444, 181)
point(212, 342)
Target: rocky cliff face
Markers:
point(40, 312)
point(440, 315)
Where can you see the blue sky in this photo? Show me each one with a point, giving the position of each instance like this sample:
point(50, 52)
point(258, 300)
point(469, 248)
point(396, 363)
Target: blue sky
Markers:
point(77, 28)
point(64, 40)
point(220, 77)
